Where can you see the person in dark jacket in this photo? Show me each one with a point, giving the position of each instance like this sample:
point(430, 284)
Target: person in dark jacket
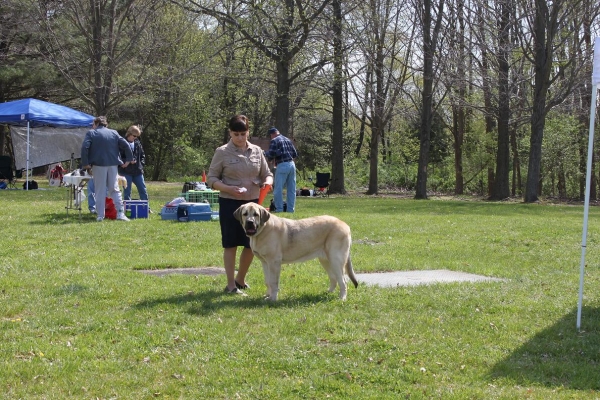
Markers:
point(134, 172)
point(105, 150)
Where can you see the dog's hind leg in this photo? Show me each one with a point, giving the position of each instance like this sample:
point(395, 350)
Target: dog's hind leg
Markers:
point(336, 266)
point(332, 278)
point(342, 283)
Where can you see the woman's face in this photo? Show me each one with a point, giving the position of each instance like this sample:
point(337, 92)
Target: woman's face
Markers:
point(239, 138)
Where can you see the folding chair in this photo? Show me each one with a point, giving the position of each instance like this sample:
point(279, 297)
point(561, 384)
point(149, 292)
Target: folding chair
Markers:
point(322, 184)
point(6, 172)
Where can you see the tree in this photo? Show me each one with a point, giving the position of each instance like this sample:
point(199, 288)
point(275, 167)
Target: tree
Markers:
point(23, 72)
point(548, 22)
point(386, 46)
point(280, 31)
point(100, 47)
point(337, 126)
point(431, 31)
point(458, 88)
point(501, 187)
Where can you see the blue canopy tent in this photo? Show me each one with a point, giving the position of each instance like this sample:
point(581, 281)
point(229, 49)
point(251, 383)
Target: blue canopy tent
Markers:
point(33, 113)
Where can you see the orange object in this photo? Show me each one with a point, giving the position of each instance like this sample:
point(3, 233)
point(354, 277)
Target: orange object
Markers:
point(203, 176)
point(263, 193)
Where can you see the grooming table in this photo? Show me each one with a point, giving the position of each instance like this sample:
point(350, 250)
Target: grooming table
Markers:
point(76, 185)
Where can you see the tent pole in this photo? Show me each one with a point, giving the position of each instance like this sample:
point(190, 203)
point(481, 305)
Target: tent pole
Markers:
point(586, 207)
point(588, 175)
point(27, 166)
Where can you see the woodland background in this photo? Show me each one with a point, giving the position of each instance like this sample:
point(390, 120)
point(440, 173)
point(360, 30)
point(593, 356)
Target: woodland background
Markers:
point(457, 96)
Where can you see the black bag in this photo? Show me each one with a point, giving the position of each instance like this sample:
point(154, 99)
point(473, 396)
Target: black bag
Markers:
point(189, 186)
point(32, 185)
point(272, 206)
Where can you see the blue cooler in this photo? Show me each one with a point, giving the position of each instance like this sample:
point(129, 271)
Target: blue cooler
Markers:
point(136, 208)
point(193, 212)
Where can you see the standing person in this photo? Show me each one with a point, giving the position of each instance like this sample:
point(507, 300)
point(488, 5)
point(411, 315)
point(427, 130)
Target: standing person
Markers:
point(100, 150)
point(91, 197)
point(134, 172)
point(238, 170)
point(282, 150)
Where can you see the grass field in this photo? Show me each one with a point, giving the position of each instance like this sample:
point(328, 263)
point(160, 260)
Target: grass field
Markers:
point(78, 320)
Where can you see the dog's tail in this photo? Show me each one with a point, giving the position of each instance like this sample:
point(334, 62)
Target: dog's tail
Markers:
point(350, 271)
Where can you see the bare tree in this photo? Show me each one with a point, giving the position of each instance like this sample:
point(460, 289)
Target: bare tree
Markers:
point(456, 81)
point(280, 31)
point(385, 38)
point(547, 23)
point(99, 46)
point(501, 187)
point(431, 31)
point(337, 156)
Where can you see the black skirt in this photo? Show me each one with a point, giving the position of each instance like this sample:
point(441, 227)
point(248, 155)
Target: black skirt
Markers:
point(232, 233)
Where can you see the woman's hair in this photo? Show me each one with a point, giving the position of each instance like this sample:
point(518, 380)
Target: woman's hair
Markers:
point(239, 123)
point(133, 130)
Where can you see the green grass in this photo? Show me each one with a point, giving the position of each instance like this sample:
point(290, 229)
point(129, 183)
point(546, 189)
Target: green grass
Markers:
point(78, 320)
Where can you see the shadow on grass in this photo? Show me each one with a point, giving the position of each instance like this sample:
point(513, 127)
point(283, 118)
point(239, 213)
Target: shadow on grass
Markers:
point(207, 302)
point(64, 219)
point(558, 356)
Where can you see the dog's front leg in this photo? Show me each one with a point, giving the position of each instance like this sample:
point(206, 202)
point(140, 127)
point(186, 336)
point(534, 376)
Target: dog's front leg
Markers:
point(272, 279)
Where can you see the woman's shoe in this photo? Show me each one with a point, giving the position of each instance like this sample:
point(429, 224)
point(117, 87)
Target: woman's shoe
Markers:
point(244, 286)
point(234, 291)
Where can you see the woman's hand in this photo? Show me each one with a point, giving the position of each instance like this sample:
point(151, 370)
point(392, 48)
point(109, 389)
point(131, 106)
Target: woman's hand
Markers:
point(236, 191)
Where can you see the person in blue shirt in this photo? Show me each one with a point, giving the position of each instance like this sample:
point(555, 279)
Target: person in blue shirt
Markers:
point(283, 153)
point(101, 150)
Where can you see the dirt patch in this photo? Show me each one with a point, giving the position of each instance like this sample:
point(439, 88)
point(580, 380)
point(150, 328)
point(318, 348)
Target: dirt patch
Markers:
point(211, 271)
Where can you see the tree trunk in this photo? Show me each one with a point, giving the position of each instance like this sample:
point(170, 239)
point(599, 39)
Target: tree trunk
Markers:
point(459, 133)
point(516, 164)
point(501, 188)
point(458, 109)
point(365, 106)
point(543, 52)
point(376, 124)
point(426, 105)
point(538, 122)
point(337, 156)
point(282, 105)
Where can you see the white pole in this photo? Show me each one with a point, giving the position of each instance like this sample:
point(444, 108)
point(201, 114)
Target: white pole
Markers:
point(588, 175)
point(27, 163)
point(586, 207)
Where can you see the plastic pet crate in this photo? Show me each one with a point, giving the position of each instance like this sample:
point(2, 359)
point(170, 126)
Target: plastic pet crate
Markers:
point(203, 196)
point(169, 213)
point(193, 212)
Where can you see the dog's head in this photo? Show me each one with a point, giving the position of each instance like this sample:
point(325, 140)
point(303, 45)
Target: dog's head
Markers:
point(252, 217)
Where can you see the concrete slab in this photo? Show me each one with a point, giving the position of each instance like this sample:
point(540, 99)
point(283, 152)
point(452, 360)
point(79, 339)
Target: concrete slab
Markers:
point(412, 278)
point(381, 279)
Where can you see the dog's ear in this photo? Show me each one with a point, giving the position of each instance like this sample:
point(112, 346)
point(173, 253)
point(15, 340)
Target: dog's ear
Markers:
point(237, 214)
point(264, 215)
